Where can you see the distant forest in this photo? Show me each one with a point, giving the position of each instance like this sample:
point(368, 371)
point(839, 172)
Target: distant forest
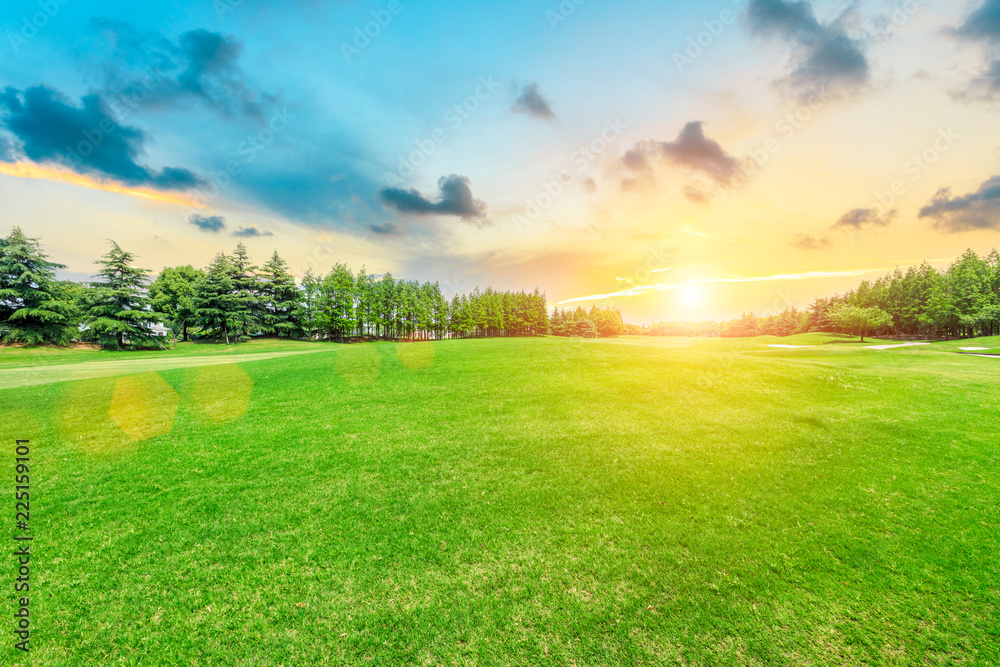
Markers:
point(232, 300)
point(958, 302)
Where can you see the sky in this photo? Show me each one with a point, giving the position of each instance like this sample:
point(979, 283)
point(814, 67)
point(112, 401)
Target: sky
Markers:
point(676, 160)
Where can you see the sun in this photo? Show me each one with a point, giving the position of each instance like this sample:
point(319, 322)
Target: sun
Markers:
point(690, 294)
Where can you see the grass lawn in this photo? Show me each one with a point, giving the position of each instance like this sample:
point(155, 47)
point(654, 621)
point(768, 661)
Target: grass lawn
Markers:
point(513, 502)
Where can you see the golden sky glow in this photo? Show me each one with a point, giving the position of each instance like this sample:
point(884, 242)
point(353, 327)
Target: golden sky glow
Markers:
point(588, 201)
point(32, 170)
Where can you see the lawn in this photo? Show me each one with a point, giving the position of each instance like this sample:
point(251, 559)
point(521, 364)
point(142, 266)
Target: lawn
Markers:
point(513, 502)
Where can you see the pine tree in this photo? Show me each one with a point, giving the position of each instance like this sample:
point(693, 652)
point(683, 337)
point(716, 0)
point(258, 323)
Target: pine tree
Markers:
point(337, 302)
point(119, 312)
point(307, 312)
point(35, 308)
point(247, 316)
point(215, 300)
point(279, 299)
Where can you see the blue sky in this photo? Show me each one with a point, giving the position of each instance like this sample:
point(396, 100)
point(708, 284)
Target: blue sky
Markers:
point(295, 134)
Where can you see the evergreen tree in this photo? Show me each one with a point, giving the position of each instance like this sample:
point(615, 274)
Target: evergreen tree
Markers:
point(119, 312)
point(337, 302)
point(279, 299)
point(35, 308)
point(215, 301)
point(307, 312)
point(247, 316)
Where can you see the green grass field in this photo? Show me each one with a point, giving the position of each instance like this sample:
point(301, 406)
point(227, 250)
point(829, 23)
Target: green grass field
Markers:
point(510, 502)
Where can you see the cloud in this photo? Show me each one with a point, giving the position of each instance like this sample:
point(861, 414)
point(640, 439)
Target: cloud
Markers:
point(86, 138)
point(386, 229)
point(864, 217)
point(693, 150)
point(208, 223)
point(634, 159)
point(975, 210)
point(695, 194)
point(827, 58)
point(201, 66)
point(251, 232)
point(6, 150)
point(983, 25)
point(589, 185)
point(456, 199)
point(807, 242)
point(531, 101)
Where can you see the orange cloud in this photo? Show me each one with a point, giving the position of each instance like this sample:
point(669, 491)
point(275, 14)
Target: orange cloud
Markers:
point(30, 170)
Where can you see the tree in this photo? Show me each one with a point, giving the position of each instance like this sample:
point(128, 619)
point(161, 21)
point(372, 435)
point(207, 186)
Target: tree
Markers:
point(119, 312)
point(34, 306)
point(172, 293)
point(279, 299)
point(215, 301)
point(307, 312)
point(608, 321)
point(859, 321)
point(247, 315)
point(337, 302)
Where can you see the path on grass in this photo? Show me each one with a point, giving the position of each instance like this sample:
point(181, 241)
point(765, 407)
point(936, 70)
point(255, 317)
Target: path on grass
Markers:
point(85, 370)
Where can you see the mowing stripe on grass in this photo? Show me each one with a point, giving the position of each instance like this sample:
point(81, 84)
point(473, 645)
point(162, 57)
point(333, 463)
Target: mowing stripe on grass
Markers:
point(33, 375)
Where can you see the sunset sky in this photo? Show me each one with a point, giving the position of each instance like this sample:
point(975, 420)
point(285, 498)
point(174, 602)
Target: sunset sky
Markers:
point(679, 160)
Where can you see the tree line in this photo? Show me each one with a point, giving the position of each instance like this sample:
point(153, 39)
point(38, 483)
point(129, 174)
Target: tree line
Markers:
point(960, 301)
point(599, 322)
point(232, 300)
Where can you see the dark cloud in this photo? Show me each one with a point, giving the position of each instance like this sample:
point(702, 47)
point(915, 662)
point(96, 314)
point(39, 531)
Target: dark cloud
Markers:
point(864, 217)
point(531, 101)
point(208, 223)
point(456, 199)
point(807, 242)
point(976, 210)
point(386, 229)
point(983, 25)
point(201, 66)
point(251, 232)
point(693, 150)
point(88, 138)
point(827, 57)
